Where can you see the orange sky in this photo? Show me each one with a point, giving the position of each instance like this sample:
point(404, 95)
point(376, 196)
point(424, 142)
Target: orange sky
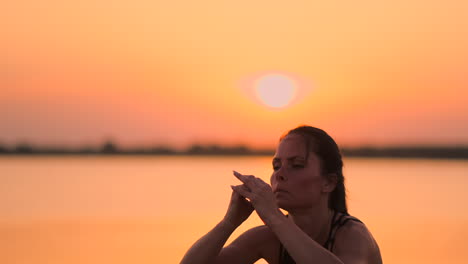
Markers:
point(76, 72)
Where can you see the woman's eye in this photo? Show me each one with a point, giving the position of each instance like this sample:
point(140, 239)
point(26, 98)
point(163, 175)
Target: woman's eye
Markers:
point(296, 166)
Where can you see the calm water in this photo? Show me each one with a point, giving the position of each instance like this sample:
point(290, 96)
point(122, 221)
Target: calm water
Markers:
point(151, 209)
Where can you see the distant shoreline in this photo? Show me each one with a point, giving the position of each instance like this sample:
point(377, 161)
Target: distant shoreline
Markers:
point(110, 149)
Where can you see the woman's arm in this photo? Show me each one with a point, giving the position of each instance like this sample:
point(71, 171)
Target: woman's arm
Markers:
point(302, 248)
point(354, 244)
point(207, 248)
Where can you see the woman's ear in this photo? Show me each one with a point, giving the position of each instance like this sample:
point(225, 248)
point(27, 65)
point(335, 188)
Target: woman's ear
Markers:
point(329, 184)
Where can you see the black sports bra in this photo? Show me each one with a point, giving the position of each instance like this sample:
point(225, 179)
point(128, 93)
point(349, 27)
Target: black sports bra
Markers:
point(284, 256)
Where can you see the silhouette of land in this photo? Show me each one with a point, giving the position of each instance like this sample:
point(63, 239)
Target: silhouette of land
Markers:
point(111, 148)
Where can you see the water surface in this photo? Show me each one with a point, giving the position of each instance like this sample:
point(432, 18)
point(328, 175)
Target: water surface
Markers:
point(151, 209)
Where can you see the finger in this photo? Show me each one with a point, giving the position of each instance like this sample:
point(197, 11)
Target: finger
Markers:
point(248, 180)
point(254, 182)
point(236, 196)
point(259, 182)
point(242, 190)
point(239, 176)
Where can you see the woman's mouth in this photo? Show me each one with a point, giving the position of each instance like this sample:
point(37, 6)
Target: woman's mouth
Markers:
point(280, 191)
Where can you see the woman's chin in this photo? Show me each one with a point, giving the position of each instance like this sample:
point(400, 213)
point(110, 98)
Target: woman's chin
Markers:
point(290, 206)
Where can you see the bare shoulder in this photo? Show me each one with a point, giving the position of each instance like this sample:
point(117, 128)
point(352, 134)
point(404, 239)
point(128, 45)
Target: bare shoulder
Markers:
point(253, 244)
point(354, 243)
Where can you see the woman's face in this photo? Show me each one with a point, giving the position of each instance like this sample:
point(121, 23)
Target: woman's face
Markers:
point(297, 182)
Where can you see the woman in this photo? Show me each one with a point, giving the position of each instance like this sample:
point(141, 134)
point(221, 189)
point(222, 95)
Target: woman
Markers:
point(308, 183)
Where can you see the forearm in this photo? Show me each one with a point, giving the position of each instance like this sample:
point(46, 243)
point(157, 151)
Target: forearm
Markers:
point(207, 248)
point(302, 248)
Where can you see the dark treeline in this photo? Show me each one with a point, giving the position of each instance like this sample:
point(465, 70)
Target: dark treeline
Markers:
point(110, 148)
point(446, 152)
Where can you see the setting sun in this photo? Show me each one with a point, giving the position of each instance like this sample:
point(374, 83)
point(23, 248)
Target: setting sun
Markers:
point(275, 90)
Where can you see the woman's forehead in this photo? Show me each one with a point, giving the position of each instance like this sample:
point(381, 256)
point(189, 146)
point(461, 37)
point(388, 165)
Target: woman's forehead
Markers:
point(292, 146)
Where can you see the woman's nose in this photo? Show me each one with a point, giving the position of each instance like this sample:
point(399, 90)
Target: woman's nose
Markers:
point(280, 175)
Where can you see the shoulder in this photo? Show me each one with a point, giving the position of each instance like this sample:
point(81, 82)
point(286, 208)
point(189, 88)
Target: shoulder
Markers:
point(354, 243)
point(251, 245)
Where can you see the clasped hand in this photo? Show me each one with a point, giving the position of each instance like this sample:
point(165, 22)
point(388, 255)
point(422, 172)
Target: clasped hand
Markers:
point(258, 194)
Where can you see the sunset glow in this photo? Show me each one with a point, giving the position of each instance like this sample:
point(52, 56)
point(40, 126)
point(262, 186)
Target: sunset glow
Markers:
point(275, 90)
point(154, 72)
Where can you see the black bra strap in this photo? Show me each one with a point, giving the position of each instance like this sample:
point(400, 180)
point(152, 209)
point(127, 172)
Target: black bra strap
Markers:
point(284, 256)
point(332, 242)
point(333, 229)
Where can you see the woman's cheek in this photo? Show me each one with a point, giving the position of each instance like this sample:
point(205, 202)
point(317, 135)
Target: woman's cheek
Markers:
point(308, 185)
point(272, 179)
